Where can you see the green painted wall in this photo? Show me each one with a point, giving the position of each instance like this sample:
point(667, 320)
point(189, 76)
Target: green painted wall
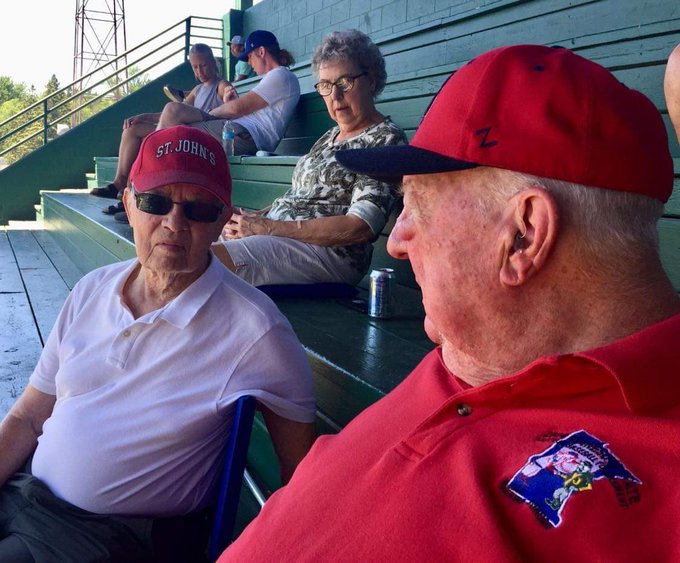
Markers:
point(631, 37)
point(63, 162)
point(423, 41)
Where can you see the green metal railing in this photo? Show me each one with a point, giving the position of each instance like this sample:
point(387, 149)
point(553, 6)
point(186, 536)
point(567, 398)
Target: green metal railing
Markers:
point(35, 125)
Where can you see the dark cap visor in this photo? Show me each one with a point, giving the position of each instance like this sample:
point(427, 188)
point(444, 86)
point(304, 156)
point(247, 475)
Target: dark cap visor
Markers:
point(390, 164)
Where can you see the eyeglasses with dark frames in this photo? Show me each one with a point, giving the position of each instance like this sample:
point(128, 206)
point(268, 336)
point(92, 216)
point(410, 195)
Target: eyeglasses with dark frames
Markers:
point(344, 84)
point(156, 204)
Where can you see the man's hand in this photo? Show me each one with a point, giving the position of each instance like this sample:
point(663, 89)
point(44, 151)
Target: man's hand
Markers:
point(141, 118)
point(245, 224)
point(230, 93)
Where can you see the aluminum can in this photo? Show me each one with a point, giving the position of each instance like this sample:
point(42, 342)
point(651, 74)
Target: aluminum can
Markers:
point(381, 293)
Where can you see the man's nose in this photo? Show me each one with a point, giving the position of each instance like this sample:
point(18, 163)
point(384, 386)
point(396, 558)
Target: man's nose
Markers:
point(175, 220)
point(398, 239)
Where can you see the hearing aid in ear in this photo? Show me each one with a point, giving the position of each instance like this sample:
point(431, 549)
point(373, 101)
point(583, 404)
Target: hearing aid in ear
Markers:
point(517, 244)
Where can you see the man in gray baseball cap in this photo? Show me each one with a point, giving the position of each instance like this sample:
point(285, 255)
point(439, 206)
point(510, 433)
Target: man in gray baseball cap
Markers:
point(243, 70)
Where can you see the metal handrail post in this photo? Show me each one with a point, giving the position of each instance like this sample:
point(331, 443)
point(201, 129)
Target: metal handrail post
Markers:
point(45, 121)
point(187, 38)
point(70, 101)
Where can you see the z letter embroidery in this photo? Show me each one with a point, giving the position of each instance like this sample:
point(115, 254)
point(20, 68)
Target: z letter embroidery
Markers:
point(485, 143)
point(569, 466)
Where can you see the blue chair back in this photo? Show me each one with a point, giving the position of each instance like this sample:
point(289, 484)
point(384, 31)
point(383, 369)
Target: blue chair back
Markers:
point(232, 476)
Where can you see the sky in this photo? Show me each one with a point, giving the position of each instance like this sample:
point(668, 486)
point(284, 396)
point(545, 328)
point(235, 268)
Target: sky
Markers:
point(36, 36)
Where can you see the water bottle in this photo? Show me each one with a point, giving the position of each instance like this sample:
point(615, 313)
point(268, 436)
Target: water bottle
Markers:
point(228, 135)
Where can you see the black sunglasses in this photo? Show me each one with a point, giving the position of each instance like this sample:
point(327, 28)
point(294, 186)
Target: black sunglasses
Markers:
point(193, 210)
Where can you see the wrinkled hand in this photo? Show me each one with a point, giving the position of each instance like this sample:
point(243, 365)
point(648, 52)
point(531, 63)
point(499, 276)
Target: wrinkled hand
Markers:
point(245, 224)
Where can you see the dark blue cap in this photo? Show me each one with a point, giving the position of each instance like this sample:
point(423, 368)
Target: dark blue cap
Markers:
point(256, 39)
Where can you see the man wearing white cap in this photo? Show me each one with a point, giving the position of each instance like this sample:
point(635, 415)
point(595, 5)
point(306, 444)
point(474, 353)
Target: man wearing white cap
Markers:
point(545, 425)
point(128, 411)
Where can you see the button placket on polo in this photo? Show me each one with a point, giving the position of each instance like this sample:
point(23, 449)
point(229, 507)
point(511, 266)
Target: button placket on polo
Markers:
point(458, 412)
point(465, 408)
point(122, 345)
point(477, 403)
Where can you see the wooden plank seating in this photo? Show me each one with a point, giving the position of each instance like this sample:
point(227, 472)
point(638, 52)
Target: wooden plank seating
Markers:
point(35, 278)
point(357, 359)
point(92, 239)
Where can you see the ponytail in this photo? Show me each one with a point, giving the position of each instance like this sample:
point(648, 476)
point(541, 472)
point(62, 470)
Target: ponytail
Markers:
point(281, 56)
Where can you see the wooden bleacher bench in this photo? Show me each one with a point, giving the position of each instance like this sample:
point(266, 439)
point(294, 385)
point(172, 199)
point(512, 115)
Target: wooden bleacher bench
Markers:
point(355, 359)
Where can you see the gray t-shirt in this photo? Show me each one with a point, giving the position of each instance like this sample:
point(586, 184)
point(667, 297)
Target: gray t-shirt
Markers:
point(207, 97)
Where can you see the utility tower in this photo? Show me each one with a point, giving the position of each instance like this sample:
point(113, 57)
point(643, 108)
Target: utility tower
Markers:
point(99, 38)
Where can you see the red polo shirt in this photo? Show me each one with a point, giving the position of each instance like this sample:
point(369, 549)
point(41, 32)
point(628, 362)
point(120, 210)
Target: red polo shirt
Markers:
point(576, 457)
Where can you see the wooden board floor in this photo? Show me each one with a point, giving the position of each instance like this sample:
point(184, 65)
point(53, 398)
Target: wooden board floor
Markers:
point(35, 278)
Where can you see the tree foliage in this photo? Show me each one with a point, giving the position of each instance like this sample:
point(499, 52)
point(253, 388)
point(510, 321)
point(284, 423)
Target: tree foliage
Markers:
point(24, 110)
point(15, 99)
point(10, 90)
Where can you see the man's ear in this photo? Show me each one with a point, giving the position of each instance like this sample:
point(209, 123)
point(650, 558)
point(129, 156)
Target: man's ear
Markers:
point(528, 235)
point(128, 200)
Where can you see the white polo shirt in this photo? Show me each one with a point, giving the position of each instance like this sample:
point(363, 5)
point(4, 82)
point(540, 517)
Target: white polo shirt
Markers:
point(144, 405)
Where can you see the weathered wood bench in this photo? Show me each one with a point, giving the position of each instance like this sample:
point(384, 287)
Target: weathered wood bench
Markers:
point(355, 359)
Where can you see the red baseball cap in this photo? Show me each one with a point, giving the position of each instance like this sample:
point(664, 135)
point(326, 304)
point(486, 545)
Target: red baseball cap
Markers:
point(182, 155)
point(540, 110)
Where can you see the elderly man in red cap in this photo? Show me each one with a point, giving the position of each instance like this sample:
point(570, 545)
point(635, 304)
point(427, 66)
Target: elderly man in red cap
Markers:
point(129, 407)
point(545, 426)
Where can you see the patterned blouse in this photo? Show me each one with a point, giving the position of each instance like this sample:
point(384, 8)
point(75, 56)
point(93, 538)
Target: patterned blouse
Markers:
point(321, 187)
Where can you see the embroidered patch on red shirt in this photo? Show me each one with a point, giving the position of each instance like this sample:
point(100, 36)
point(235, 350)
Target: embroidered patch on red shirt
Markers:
point(571, 465)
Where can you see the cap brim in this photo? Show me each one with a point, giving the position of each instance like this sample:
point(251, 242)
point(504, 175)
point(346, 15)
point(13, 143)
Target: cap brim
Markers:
point(391, 163)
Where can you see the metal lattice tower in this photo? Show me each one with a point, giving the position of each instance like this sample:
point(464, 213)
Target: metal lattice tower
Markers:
point(99, 37)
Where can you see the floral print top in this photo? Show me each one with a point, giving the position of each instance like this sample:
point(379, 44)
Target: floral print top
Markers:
point(321, 187)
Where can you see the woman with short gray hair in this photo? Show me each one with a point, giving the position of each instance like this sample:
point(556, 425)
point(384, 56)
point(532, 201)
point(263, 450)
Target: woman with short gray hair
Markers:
point(352, 45)
point(322, 228)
